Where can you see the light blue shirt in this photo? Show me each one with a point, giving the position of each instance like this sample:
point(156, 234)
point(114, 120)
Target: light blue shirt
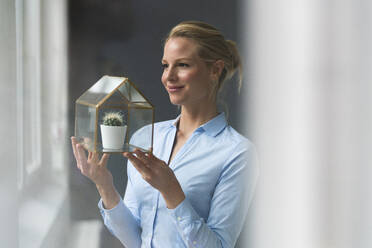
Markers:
point(217, 170)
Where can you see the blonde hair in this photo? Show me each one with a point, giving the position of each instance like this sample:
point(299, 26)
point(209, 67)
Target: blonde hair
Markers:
point(212, 47)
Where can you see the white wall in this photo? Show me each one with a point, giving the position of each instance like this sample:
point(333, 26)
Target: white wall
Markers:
point(350, 119)
point(8, 147)
point(309, 97)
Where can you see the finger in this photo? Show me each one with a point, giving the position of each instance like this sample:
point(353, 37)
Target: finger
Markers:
point(73, 143)
point(90, 155)
point(142, 156)
point(104, 159)
point(148, 156)
point(155, 159)
point(76, 154)
point(141, 168)
point(152, 160)
point(81, 156)
point(95, 157)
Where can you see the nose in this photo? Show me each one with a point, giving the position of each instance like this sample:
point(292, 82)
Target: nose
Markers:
point(170, 74)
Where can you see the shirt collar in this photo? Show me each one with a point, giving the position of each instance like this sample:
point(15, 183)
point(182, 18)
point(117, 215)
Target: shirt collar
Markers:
point(212, 127)
point(175, 121)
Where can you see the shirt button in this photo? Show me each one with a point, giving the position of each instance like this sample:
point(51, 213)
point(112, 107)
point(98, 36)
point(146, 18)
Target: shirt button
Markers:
point(194, 242)
point(179, 218)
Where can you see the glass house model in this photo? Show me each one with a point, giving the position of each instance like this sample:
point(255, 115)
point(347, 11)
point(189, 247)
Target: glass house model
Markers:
point(120, 96)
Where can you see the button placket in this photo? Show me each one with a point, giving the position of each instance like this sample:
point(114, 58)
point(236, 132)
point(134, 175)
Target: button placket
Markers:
point(184, 149)
point(154, 211)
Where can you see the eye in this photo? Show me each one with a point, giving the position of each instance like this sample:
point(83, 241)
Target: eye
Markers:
point(183, 65)
point(164, 65)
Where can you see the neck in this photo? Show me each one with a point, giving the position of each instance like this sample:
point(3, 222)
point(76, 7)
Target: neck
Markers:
point(192, 118)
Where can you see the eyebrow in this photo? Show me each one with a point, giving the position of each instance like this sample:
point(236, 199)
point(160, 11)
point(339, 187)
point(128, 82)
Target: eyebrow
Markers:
point(178, 59)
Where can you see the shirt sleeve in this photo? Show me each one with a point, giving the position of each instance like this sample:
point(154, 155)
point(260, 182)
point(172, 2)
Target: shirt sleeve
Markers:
point(229, 206)
point(122, 220)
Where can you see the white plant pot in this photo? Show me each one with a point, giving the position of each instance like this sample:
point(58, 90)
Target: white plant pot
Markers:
point(113, 136)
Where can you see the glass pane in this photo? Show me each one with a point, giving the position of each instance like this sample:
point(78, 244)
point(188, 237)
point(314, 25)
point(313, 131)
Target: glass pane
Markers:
point(85, 125)
point(140, 105)
point(115, 100)
point(131, 93)
point(100, 89)
point(140, 128)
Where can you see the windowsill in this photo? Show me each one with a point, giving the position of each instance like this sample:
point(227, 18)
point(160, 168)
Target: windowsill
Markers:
point(38, 214)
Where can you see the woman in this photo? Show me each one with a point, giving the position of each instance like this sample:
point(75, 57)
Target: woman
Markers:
point(194, 190)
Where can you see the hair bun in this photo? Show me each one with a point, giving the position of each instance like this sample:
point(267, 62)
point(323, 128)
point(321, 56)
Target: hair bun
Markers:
point(235, 61)
point(235, 58)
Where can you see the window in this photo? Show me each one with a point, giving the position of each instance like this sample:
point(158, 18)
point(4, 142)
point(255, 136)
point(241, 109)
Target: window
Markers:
point(41, 41)
point(29, 88)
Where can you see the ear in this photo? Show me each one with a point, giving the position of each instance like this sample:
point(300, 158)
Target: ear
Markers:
point(217, 68)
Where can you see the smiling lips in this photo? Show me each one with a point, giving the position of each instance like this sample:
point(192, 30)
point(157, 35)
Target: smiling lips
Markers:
point(174, 88)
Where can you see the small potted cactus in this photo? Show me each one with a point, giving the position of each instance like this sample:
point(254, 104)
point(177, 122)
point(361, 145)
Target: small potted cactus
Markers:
point(113, 130)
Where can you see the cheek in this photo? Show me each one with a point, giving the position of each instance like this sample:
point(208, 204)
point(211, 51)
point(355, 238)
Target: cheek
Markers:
point(163, 79)
point(189, 76)
point(199, 80)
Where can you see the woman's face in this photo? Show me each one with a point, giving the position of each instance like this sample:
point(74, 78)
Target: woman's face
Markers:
point(186, 76)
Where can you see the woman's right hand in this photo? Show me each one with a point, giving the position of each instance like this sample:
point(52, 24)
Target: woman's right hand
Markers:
point(92, 166)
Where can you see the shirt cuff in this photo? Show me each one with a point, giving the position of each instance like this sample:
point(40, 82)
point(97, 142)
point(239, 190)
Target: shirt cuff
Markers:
point(121, 223)
point(184, 214)
point(117, 210)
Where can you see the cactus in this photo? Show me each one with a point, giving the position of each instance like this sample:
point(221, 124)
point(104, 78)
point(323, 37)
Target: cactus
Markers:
point(113, 119)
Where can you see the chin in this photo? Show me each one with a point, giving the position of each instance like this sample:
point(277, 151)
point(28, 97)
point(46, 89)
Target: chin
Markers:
point(175, 101)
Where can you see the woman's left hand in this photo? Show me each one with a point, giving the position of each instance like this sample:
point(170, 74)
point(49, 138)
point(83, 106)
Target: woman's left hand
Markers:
point(158, 174)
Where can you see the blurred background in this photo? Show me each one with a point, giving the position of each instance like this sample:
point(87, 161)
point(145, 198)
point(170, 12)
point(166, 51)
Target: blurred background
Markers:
point(306, 104)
